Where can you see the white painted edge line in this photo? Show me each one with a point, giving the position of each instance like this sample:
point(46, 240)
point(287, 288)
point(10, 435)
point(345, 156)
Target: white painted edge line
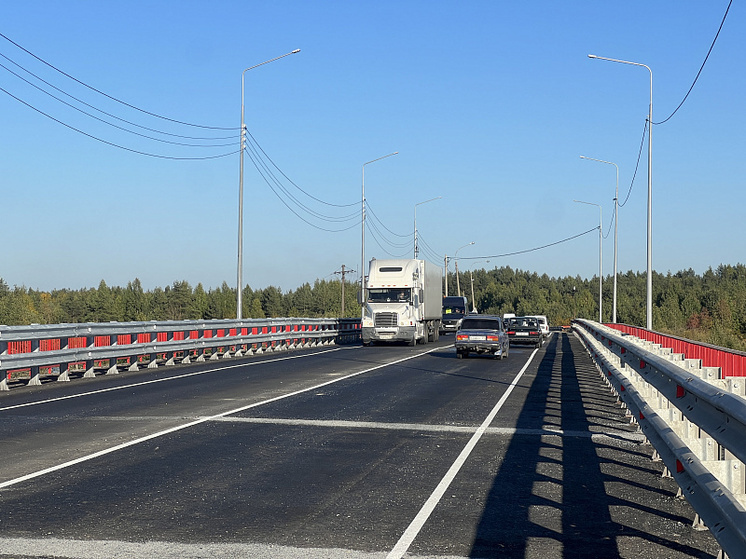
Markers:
point(166, 379)
point(427, 509)
point(200, 420)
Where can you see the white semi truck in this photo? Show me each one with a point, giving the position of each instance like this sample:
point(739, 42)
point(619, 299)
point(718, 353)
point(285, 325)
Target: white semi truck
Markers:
point(403, 302)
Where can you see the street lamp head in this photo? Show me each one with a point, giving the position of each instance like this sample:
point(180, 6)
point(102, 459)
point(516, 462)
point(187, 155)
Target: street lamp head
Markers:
point(592, 56)
point(296, 51)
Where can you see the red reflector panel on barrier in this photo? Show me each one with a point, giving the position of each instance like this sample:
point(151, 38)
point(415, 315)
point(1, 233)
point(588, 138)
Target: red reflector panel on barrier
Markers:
point(49, 345)
point(19, 347)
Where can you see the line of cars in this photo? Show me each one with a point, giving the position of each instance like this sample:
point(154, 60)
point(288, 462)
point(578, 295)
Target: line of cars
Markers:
point(494, 335)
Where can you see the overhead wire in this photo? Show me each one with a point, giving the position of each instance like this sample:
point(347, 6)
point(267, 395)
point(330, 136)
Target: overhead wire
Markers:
point(637, 165)
point(110, 123)
point(367, 205)
point(293, 183)
point(267, 172)
point(422, 244)
point(281, 199)
point(701, 67)
point(371, 225)
point(76, 80)
point(148, 154)
point(530, 249)
point(163, 132)
point(375, 238)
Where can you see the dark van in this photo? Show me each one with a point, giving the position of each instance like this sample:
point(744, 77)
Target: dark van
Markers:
point(454, 309)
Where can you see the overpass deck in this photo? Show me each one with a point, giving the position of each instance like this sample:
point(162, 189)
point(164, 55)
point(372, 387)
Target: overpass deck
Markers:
point(341, 471)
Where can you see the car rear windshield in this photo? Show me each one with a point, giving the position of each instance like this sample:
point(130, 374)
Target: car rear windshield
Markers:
point(480, 324)
point(522, 322)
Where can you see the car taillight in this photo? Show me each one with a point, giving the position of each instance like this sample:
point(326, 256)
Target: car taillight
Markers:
point(493, 339)
point(461, 337)
point(534, 333)
point(511, 332)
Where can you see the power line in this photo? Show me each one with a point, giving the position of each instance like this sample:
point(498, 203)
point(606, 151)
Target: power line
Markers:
point(256, 165)
point(291, 182)
point(76, 80)
point(372, 234)
point(367, 205)
point(267, 172)
point(159, 156)
point(637, 165)
point(528, 250)
point(371, 225)
point(110, 123)
point(701, 67)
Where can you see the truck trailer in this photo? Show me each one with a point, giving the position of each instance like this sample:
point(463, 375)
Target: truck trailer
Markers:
point(403, 301)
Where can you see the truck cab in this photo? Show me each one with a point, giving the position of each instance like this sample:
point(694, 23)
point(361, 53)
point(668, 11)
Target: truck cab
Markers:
point(454, 309)
point(402, 302)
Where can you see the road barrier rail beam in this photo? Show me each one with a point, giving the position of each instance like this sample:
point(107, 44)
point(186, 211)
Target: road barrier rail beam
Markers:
point(37, 351)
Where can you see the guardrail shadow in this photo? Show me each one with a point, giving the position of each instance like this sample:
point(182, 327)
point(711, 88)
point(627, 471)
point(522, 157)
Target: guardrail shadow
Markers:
point(580, 493)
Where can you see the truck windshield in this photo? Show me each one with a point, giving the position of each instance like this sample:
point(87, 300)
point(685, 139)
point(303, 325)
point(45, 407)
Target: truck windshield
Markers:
point(454, 309)
point(389, 295)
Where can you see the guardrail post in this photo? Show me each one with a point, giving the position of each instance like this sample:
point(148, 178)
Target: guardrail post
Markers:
point(90, 372)
point(34, 380)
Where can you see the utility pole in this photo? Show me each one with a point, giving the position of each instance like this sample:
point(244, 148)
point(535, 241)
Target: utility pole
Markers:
point(445, 282)
point(342, 272)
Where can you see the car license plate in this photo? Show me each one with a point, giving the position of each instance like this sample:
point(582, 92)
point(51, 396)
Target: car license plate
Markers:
point(521, 333)
point(478, 338)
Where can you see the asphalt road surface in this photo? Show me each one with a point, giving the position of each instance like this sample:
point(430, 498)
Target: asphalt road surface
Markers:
point(349, 451)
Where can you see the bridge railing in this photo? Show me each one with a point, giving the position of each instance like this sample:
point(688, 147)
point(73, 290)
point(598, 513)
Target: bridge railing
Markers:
point(37, 351)
point(732, 363)
point(694, 418)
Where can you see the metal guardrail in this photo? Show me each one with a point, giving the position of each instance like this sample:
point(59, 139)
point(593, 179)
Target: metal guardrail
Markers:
point(35, 351)
point(694, 418)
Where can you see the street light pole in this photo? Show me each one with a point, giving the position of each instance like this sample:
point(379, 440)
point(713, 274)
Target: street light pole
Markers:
point(616, 228)
point(455, 263)
point(600, 259)
point(416, 247)
point(445, 277)
point(239, 282)
point(649, 312)
point(362, 212)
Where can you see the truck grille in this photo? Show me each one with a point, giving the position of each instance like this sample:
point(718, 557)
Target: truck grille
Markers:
point(386, 320)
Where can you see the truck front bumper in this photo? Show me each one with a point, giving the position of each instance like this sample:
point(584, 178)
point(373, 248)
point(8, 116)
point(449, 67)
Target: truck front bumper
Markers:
point(398, 334)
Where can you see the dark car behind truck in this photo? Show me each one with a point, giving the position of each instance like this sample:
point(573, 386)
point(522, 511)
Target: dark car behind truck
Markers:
point(524, 330)
point(454, 309)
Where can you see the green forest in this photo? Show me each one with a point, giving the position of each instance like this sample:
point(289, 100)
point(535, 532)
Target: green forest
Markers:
point(709, 308)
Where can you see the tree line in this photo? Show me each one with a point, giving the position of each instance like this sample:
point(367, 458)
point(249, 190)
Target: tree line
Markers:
point(710, 307)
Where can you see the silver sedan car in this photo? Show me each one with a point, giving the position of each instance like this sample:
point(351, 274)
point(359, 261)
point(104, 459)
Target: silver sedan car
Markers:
point(482, 334)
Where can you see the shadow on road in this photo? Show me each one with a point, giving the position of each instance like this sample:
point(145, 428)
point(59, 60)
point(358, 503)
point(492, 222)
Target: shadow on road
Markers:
point(578, 495)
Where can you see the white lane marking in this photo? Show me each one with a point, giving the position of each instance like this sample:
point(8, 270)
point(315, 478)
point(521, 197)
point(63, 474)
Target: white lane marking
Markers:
point(198, 421)
point(176, 377)
point(427, 509)
point(546, 431)
point(113, 549)
point(165, 379)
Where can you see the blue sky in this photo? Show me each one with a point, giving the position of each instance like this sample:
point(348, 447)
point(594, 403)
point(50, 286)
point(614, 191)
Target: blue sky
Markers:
point(490, 105)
